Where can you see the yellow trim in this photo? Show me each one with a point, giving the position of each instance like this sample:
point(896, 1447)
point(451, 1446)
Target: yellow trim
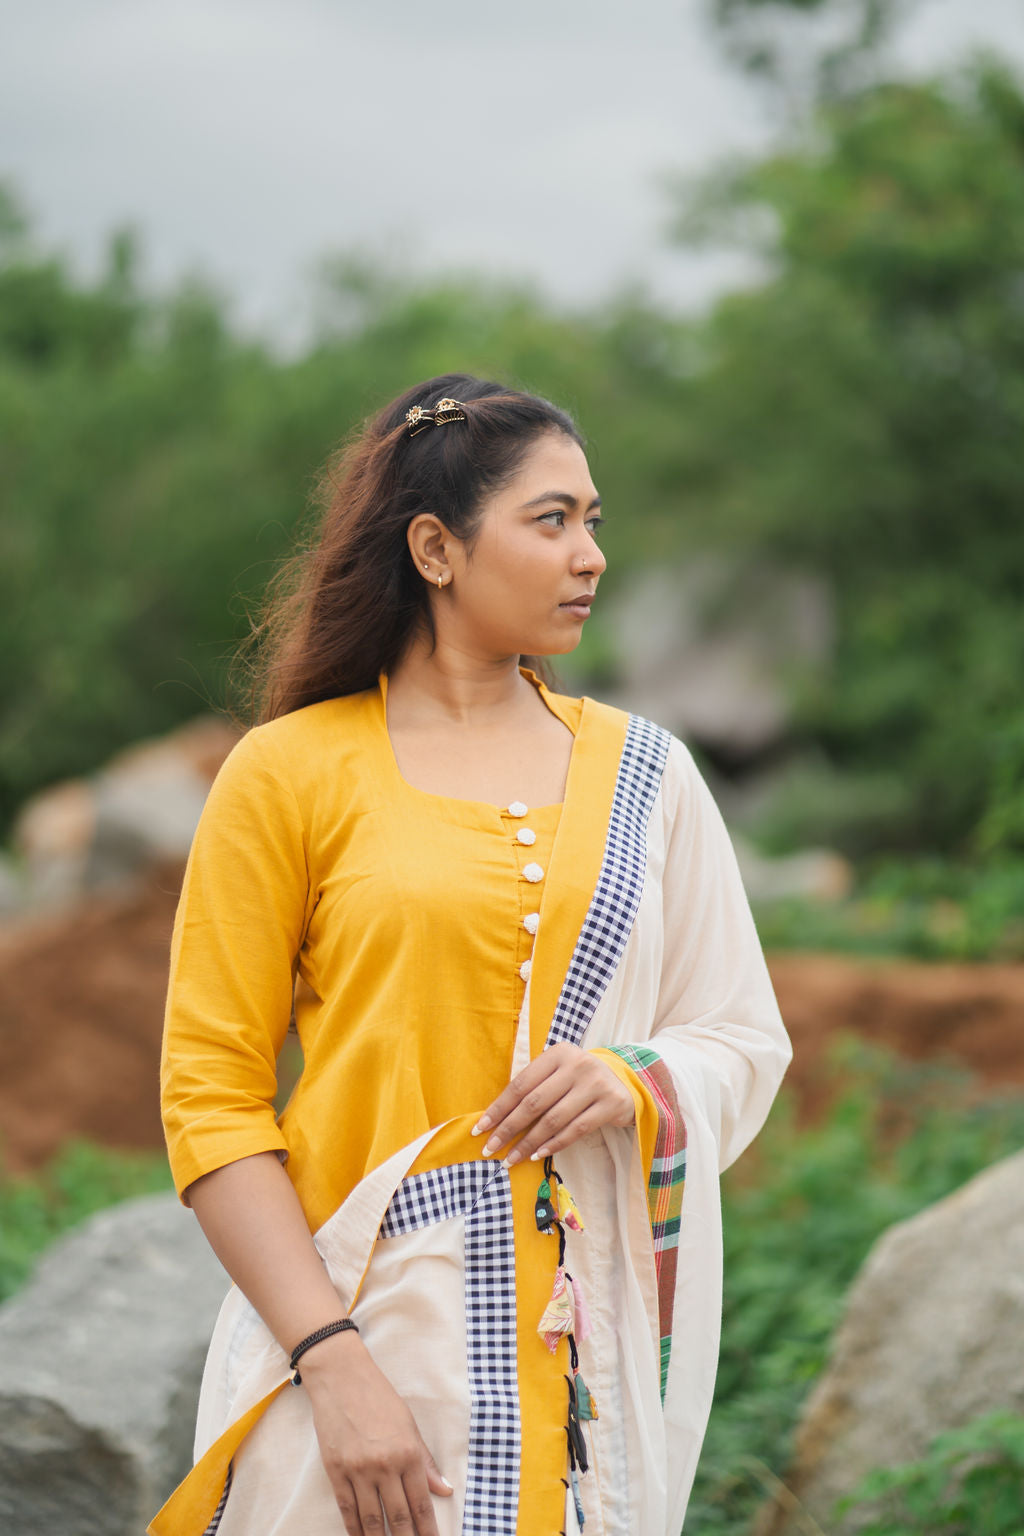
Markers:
point(644, 1105)
point(191, 1506)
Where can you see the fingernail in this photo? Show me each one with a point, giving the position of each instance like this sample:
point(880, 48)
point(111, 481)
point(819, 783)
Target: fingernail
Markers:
point(489, 1147)
point(447, 1483)
point(483, 1124)
point(535, 1157)
point(513, 1157)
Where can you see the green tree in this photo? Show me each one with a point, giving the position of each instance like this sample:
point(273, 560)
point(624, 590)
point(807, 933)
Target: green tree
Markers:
point(861, 410)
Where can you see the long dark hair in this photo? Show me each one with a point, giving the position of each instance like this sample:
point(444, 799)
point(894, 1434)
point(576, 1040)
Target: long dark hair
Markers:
point(343, 610)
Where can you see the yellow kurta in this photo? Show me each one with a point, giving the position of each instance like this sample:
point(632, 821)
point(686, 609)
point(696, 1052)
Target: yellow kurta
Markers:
point(410, 916)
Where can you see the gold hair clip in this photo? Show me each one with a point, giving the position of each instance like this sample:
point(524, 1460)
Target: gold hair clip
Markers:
point(419, 417)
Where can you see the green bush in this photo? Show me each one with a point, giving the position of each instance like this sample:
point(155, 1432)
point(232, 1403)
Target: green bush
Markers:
point(801, 1210)
point(933, 909)
point(969, 1484)
point(83, 1179)
point(855, 414)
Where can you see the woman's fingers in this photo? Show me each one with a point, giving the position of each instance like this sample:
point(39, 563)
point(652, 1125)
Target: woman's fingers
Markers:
point(345, 1495)
point(407, 1516)
point(563, 1086)
point(498, 1116)
point(390, 1502)
point(572, 1117)
point(383, 1475)
point(532, 1106)
point(421, 1501)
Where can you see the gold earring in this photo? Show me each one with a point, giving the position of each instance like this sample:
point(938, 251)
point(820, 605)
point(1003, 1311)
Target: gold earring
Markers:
point(440, 582)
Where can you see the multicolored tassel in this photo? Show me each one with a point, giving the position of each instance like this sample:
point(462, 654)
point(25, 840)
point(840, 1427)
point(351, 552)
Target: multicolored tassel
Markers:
point(558, 1316)
point(583, 1328)
point(566, 1316)
point(544, 1210)
point(574, 1433)
point(568, 1210)
point(586, 1407)
point(576, 1498)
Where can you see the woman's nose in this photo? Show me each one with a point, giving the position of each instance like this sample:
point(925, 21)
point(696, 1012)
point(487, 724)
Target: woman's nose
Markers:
point(589, 560)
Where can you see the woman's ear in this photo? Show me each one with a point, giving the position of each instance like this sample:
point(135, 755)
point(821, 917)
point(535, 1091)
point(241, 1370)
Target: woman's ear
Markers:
point(429, 540)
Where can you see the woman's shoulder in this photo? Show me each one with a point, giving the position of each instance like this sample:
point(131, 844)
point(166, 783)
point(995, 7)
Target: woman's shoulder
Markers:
point(297, 746)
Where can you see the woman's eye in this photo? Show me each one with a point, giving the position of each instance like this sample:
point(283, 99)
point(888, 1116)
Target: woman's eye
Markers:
point(594, 523)
point(558, 517)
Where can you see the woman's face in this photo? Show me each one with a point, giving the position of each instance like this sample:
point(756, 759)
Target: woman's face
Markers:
point(525, 584)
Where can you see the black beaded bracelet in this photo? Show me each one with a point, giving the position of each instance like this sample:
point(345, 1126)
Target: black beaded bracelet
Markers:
point(317, 1338)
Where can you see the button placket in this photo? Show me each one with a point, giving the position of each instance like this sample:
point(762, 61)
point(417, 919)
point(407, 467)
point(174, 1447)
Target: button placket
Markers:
point(532, 872)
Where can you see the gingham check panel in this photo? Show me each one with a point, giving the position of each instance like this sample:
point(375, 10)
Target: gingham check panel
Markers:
point(619, 885)
point(437, 1195)
point(480, 1192)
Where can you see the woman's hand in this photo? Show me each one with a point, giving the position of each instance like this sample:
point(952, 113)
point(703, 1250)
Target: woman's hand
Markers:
point(563, 1094)
point(374, 1455)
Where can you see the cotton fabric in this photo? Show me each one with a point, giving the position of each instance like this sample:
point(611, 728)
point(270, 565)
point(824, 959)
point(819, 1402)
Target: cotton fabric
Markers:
point(405, 1052)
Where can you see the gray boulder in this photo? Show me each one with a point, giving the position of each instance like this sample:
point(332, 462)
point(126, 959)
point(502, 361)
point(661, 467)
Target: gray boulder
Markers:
point(101, 1357)
point(933, 1337)
point(712, 649)
point(104, 832)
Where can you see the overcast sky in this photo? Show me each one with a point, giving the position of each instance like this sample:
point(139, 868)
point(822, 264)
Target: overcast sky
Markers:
point(244, 138)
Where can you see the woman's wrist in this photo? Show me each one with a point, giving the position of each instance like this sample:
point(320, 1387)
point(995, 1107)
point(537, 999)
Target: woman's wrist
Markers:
point(318, 1336)
point(320, 1362)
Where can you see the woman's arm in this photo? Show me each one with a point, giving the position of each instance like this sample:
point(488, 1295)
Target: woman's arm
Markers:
point(371, 1448)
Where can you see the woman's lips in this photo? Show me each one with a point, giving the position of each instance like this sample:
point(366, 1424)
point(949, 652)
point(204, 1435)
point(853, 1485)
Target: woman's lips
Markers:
point(578, 607)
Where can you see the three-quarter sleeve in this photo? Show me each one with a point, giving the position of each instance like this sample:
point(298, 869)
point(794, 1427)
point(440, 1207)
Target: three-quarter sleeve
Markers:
point(244, 907)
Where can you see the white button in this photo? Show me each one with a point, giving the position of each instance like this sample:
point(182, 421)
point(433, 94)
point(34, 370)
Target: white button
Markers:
point(526, 835)
point(533, 873)
point(517, 808)
point(525, 969)
point(531, 922)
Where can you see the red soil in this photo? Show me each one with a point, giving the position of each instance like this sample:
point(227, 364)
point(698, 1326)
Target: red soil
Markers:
point(81, 1004)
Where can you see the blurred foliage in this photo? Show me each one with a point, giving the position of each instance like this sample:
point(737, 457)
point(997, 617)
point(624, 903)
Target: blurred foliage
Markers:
point(968, 1484)
point(154, 468)
point(801, 1210)
point(83, 1179)
point(861, 412)
point(855, 415)
point(808, 47)
point(929, 908)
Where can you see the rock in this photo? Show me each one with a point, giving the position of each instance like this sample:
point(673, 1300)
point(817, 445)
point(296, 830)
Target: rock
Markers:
point(52, 837)
point(148, 804)
point(12, 894)
point(101, 1358)
point(930, 1340)
point(814, 874)
point(141, 809)
point(708, 648)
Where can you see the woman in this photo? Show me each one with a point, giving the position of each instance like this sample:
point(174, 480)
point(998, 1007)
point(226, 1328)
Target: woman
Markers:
point(532, 987)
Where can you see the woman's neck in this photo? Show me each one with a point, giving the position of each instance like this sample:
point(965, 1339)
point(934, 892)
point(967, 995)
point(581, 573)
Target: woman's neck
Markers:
point(447, 684)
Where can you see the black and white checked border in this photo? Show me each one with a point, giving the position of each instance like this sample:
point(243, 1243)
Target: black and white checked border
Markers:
point(620, 883)
point(480, 1192)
